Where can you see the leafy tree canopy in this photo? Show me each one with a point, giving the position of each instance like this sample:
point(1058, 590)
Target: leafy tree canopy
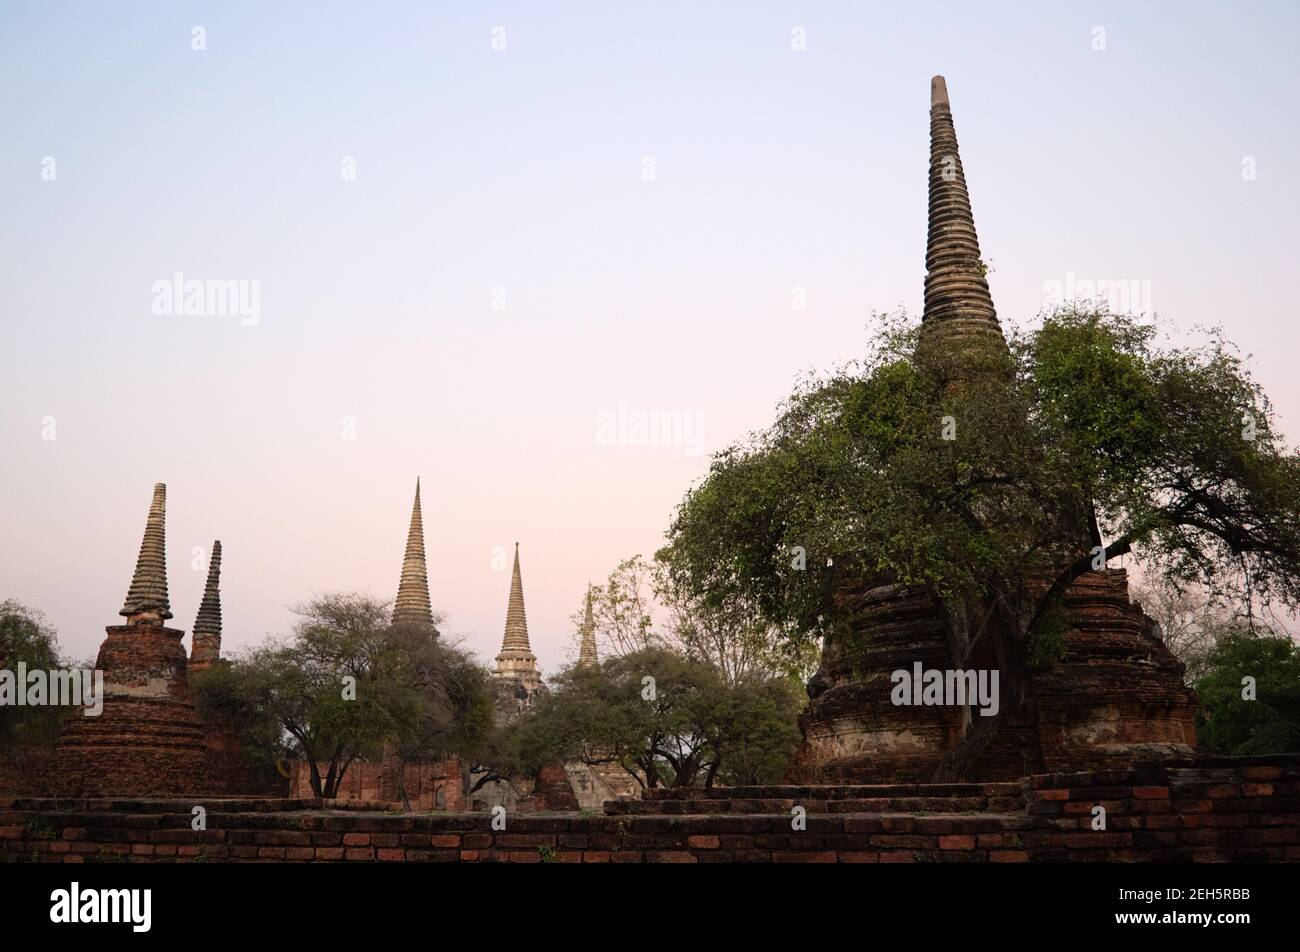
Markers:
point(26, 636)
point(348, 684)
point(1256, 716)
point(666, 719)
point(992, 481)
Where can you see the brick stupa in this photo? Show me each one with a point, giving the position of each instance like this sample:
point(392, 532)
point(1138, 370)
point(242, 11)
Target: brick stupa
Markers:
point(148, 740)
point(1116, 697)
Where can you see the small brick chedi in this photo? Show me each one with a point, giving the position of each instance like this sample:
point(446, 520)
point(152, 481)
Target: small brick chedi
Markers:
point(148, 740)
point(1116, 697)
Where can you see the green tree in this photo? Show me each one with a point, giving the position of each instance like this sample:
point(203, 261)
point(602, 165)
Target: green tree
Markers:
point(1263, 718)
point(25, 636)
point(991, 481)
point(645, 605)
point(348, 684)
point(451, 713)
point(224, 697)
point(666, 719)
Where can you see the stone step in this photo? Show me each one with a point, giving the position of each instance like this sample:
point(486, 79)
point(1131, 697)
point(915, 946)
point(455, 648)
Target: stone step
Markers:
point(843, 791)
point(169, 805)
point(922, 800)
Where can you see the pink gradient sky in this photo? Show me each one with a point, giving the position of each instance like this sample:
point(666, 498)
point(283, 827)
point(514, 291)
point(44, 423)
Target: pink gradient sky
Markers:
point(522, 169)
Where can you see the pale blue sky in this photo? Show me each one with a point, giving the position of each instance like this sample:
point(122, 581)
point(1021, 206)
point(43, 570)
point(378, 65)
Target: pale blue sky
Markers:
point(522, 169)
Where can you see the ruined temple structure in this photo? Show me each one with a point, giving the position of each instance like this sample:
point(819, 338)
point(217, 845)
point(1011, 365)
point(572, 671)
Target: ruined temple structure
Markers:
point(148, 739)
point(1116, 698)
point(205, 641)
point(515, 679)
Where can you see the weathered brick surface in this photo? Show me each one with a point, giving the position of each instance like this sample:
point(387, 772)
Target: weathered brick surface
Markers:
point(1116, 696)
point(1153, 814)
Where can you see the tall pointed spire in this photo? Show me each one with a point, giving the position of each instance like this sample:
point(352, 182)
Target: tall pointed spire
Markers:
point(147, 597)
point(412, 606)
point(516, 661)
point(587, 648)
point(516, 637)
point(208, 620)
point(958, 306)
point(205, 647)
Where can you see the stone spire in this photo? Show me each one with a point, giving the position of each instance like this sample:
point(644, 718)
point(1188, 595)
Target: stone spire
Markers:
point(516, 660)
point(516, 637)
point(958, 306)
point(412, 606)
point(146, 601)
point(205, 649)
point(587, 649)
point(208, 621)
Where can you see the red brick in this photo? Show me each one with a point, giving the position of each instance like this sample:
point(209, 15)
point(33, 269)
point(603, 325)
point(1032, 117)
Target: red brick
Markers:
point(956, 842)
point(1151, 793)
point(786, 857)
point(702, 842)
point(356, 839)
point(1262, 773)
point(987, 840)
point(392, 854)
point(1008, 856)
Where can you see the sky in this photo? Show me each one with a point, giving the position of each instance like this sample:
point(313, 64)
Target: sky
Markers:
point(482, 244)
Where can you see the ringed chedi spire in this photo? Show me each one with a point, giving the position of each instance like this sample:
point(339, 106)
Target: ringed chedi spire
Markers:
point(516, 659)
point(146, 600)
point(205, 647)
point(958, 306)
point(147, 740)
point(413, 607)
point(587, 648)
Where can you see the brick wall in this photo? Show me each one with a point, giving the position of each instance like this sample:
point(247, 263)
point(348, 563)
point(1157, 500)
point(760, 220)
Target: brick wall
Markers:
point(430, 785)
point(1232, 810)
